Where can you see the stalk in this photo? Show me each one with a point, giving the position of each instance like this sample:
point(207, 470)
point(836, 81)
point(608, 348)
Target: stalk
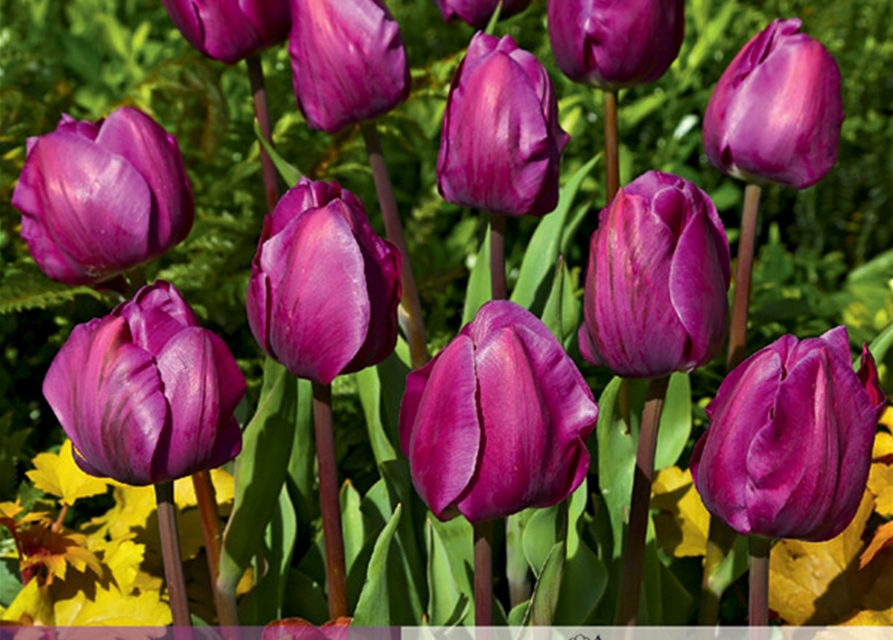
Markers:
point(738, 328)
point(336, 574)
point(758, 598)
point(261, 112)
point(498, 288)
point(413, 324)
point(483, 574)
point(612, 163)
point(170, 549)
point(633, 556)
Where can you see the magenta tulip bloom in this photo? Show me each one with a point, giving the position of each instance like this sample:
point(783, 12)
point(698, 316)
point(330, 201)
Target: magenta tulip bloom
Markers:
point(230, 30)
point(610, 44)
point(501, 144)
point(776, 113)
point(497, 421)
point(788, 449)
point(99, 199)
point(477, 13)
point(145, 394)
point(655, 293)
point(348, 61)
point(324, 289)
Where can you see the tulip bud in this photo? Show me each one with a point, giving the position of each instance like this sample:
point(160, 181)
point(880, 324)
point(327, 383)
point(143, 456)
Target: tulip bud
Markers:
point(655, 293)
point(230, 30)
point(99, 199)
point(610, 44)
point(497, 421)
point(348, 61)
point(776, 113)
point(501, 144)
point(477, 13)
point(145, 394)
point(788, 449)
point(324, 289)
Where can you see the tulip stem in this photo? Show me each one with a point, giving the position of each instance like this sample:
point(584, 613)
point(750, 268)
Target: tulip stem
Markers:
point(758, 597)
point(414, 326)
point(612, 163)
point(206, 497)
point(170, 551)
point(640, 504)
point(262, 113)
point(483, 574)
point(336, 574)
point(741, 299)
point(498, 287)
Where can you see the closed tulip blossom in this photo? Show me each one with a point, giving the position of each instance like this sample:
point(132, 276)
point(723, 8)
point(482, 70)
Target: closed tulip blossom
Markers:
point(324, 288)
point(655, 293)
point(145, 394)
point(348, 61)
point(612, 45)
point(776, 112)
point(497, 421)
point(501, 144)
point(477, 13)
point(230, 30)
point(100, 198)
point(788, 448)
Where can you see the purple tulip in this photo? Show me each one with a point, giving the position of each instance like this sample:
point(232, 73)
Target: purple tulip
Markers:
point(145, 394)
point(655, 294)
point(477, 13)
point(348, 61)
point(324, 289)
point(610, 44)
point(497, 421)
point(99, 199)
point(788, 449)
point(230, 30)
point(501, 144)
point(776, 113)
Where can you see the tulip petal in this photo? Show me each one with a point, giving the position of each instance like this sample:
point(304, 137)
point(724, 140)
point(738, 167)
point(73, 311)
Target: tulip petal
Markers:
point(155, 315)
point(440, 430)
point(316, 333)
point(107, 395)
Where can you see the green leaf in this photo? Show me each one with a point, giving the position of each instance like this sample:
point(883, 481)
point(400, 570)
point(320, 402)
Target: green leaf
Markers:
point(302, 463)
point(562, 311)
point(448, 605)
point(478, 291)
point(675, 422)
point(548, 587)
point(290, 173)
point(25, 289)
point(879, 346)
point(369, 388)
point(543, 530)
point(517, 569)
point(260, 472)
point(457, 537)
point(542, 250)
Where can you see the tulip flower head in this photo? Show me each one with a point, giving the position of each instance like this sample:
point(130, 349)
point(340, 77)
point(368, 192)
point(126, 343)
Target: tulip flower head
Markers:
point(324, 289)
point(776, 112)
point(99, 199)
point(788, 448)
point(612, 45)
point(145, 394)
point(477, 13)
point(348, 61)
point(655, 297)
point(501, 144)
point(497, 421)
point(230, 30)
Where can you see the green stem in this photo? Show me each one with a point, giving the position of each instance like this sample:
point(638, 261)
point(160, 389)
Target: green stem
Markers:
point(336, 574)
point(740, 302)
point(498, 287)
point(261, 112)
point(640, 504)
point(483, 574)
point(612, 163)
point(413, 325)
point(758, 597)
point(170, 549)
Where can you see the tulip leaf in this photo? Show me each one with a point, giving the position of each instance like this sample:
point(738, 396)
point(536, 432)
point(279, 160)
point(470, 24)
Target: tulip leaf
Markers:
point(880, 345)
point(517, 568)
point(260, 472)
point(548, 587)
point(675, 422)
point(290, 173)
point(543, 530)
point(305, 598)
point(383, 600)
point(478, 291)
point(369, 387)
point(447, 604)
point(562, 311)
point(302, 463)
point(542, 250)
point(456, 536)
